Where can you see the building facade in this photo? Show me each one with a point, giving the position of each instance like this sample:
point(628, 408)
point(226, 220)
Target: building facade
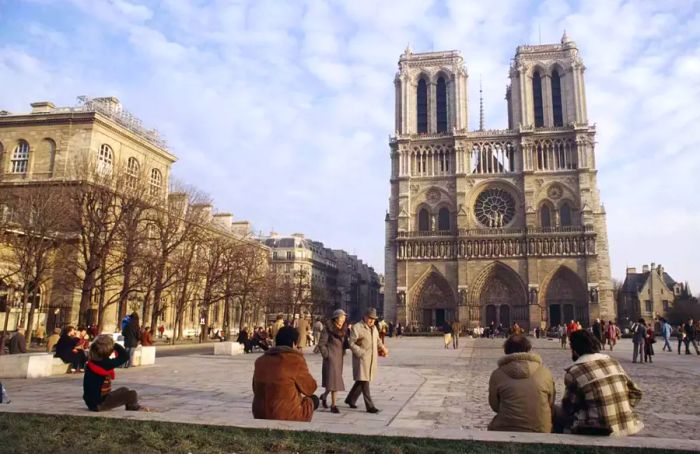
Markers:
point(495, 226)
point(649, 294)
point(65, 146)
point(323, 279)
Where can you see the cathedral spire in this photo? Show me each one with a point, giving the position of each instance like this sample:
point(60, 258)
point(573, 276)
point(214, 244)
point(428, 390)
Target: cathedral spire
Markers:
point(481, 107)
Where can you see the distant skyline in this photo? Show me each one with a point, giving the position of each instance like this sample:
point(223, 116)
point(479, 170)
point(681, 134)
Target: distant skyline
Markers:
point(282, 110)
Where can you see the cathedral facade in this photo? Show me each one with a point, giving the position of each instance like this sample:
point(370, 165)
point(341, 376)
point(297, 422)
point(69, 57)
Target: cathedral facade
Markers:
point(497, 226)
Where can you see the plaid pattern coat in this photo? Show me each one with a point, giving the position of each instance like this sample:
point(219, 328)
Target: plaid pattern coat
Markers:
point(599, 395)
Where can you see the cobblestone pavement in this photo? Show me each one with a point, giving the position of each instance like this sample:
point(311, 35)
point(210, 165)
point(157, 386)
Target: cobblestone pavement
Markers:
point(421, 388)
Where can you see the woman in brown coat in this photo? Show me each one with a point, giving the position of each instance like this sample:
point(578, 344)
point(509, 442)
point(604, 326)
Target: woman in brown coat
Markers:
point(332, 348)
point(282, 385)
point(521, 390)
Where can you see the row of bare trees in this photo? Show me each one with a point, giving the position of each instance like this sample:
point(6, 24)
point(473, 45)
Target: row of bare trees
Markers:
point(115, 237)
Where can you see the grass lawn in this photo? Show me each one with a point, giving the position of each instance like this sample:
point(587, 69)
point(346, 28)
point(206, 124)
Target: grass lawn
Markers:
point(32, 433)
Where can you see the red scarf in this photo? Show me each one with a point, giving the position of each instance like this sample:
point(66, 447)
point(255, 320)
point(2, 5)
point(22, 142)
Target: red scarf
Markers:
point(100, 371)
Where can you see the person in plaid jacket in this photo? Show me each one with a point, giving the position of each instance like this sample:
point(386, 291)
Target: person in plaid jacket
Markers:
point(599, 396)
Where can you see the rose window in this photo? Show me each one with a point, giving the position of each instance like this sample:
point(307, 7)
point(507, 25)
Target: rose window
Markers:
point(494, 208)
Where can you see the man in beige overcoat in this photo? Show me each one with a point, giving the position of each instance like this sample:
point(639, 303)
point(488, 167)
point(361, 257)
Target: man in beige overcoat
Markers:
point(365, 345)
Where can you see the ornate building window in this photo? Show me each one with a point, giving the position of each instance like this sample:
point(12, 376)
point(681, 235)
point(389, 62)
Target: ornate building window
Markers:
point(444, 219)
point(556, 99)
point(494, 208)
point(132, 171)
point(422, 106)
point(545, 217)
point(20, 157)
point(537, 99)
point(156, 182)
point(423, 220)
point(565, 215)
point(441, 104)
point(104, 160)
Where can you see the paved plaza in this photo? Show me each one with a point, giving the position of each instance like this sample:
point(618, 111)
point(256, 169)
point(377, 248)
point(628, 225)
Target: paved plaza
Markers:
point(422, 389)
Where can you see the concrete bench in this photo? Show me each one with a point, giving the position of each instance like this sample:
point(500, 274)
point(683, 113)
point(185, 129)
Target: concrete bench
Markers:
point(228, 348)
point(31, 365)
point(144, 356)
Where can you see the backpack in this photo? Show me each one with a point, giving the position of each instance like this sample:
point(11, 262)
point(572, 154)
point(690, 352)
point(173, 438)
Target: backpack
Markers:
point(125, 322)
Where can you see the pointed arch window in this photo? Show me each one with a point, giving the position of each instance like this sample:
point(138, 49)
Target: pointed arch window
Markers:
point(565, 215)
point(423, 220)
point(545, 217)
point(537, 99)
point(441, 104)
point(422, 106)
point(557, 114)
point(444, 219)
point(20, 157)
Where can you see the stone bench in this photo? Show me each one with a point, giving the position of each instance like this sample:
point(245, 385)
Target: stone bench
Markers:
point(228, 348)
point(144, 356)
point(31, 365)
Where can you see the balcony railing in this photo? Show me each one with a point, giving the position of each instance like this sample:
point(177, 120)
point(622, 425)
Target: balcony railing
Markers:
point(488, 232)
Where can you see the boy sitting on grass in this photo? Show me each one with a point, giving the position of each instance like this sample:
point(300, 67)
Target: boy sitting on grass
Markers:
point(99, 373)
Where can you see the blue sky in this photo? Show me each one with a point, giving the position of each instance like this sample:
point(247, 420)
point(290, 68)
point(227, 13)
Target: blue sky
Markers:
point(281, 110)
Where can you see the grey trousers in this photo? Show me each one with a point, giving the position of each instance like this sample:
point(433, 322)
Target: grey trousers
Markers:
point(360, 387)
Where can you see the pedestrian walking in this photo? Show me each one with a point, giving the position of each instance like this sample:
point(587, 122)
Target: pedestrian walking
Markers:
point(563, 334)
point(690, 337)
point(456, 331)
point(332, 344)
point(598, 332)
point(612, 334)
point(649, 342)
point(132, 337)
point(666, 334)
point(639, 333)
point(365, 345)
point(447, 334)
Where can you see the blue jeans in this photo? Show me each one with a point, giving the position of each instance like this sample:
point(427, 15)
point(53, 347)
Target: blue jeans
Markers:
point(667, 344)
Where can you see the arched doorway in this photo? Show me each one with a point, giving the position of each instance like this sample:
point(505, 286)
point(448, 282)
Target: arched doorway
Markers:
point(566, 298)
point(433, 302)
point(502, 297)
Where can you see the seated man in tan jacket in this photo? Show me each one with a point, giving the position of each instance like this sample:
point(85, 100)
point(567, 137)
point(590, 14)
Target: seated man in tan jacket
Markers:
point(283, 388)
point(521, 390)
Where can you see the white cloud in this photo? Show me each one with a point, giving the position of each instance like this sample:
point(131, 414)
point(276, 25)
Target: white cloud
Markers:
point(281, 110)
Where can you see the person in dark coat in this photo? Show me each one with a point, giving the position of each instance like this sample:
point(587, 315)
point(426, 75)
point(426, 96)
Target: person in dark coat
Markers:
point(332, 345)
point(67, 348)
point(99, 373)
point(18, 344)
point(244, 341)
point(132, 336)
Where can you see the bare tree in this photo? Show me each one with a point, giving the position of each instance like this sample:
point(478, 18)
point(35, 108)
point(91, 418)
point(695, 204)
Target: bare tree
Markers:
point(36, 227)
point(174, 222)
point(96, 218)
point(212, 275)
point(249, 267)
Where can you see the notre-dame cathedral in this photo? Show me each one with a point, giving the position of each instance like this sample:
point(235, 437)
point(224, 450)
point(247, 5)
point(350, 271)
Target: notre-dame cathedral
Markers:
point(500, 225)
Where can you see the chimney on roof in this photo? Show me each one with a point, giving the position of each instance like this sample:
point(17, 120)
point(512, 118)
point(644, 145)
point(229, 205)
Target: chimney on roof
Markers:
point(110, 103)
point(645, 268)
point(631, 270)
point(42, 107)
point(224, 220)
point(241, 228)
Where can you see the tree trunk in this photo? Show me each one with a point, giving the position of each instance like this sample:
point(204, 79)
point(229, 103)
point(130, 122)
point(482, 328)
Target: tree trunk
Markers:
point(30, 321)
point(86, 297)
point(23, 313)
